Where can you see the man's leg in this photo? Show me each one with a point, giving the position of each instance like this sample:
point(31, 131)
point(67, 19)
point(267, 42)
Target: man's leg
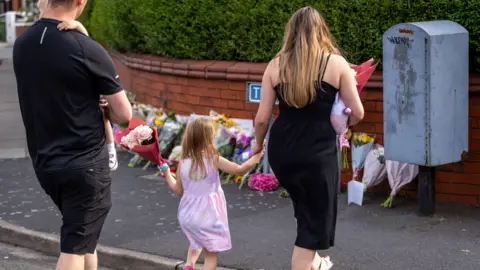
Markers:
point(86, 203)
point(71, 262)
point(91, 261)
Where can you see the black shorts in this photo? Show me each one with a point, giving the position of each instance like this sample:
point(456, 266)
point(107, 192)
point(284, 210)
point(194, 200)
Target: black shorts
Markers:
point(83, 196)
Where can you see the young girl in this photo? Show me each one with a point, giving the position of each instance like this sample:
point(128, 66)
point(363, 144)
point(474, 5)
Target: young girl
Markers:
point(75, 25)
point(202, 213)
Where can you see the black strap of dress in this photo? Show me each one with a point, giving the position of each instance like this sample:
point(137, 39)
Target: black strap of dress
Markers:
point(320, 79)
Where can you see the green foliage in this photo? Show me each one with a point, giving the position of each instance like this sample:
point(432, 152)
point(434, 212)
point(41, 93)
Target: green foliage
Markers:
point(252, 30)
point(87, 14)
point(3, 32)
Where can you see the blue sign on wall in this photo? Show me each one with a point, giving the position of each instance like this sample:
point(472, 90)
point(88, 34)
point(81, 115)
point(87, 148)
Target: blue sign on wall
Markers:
point(254, 90)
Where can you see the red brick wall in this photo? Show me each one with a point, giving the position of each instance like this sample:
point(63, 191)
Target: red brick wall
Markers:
point(20, 30)
point(206, 85)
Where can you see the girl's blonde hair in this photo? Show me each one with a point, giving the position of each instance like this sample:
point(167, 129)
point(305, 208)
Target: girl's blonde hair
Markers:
point(198, 145)
point(306, 40)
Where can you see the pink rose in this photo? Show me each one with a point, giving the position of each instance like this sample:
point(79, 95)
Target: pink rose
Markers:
point(142, 133)
point(129, 141)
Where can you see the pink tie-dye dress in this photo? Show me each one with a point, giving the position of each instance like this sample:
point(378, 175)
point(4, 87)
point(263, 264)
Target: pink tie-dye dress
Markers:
point(202, 213)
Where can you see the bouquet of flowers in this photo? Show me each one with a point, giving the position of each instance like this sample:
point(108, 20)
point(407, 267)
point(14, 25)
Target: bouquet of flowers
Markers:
point(131, 97)
point(375, 171)
point(399, 175)
point(221, 119)
point(141, 111)
point(156, 118)
point(243, 148)
point(176, 153)
point(263, 182)
point(362, 144)
point(169, 133)
point(340, 113)
point(141, 139)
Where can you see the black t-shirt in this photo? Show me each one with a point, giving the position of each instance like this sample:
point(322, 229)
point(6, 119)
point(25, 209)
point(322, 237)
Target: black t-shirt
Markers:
point(60, 77)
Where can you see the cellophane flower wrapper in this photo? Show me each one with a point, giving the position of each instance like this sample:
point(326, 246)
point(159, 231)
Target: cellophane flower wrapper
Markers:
point(156, 118)
point(243, 150)
point(400, 174)
point(176, 153)
point(227, 149)
point(375, 171)
point(263, 182)
point(131, 97)
point(360, 151)
point(223, 136)
point(363, 73)
point(339, 121)
point(150, 152)
point(140, 111)
point(171, 128)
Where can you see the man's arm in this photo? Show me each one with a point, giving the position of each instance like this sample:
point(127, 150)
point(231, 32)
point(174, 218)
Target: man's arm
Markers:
point(117, 107)
point(107, 82)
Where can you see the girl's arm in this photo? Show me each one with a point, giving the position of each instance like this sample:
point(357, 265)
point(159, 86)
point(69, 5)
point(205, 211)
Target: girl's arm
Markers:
point(227, 166)
point(174, 184)
point(73, 25)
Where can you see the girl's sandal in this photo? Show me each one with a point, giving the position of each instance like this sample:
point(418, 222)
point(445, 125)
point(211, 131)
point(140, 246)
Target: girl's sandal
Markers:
point(326, 264)
point(187, 268)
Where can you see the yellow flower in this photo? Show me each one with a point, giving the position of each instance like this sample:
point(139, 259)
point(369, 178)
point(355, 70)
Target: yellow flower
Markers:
point(157, 122)
point(238, 179)
point(349, 134)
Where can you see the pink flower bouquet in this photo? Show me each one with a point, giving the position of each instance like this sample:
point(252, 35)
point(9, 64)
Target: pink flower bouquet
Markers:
point(263, 182)
point(141, 139)
point(340, 113)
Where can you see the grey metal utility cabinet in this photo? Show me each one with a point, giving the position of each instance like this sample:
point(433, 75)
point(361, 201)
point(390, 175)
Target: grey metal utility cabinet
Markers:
point(425, 78)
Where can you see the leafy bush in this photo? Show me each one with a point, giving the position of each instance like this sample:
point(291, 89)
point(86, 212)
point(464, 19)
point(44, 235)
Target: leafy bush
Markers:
point(252, 30)
point(87, 14)
point(3, 32)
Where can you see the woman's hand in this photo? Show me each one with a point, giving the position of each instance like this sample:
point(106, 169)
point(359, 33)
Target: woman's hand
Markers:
point(256, 158)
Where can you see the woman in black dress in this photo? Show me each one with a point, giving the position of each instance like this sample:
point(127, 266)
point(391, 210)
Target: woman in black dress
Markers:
point(304, 77)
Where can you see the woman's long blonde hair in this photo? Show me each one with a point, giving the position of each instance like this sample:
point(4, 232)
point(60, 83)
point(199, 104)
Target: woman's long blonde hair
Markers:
point(199, 146)
point(306, 40)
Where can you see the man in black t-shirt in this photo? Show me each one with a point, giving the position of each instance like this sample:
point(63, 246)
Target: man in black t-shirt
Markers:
point(62, 77)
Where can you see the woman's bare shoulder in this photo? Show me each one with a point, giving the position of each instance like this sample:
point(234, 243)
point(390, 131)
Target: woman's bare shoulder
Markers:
point(338, 60)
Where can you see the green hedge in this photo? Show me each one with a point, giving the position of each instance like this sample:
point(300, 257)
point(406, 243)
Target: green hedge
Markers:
point(3, 32)
point(252, 30)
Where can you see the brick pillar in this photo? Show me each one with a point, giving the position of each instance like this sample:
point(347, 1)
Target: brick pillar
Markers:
point(17, 4)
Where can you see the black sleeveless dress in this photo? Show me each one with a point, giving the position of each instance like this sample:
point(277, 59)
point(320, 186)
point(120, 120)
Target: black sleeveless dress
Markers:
point(303, 155)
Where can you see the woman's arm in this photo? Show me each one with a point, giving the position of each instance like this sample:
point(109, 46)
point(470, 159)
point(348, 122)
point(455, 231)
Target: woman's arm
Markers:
point(174, 184)
point(227, 166)
point(349, 93)
point(264, 113)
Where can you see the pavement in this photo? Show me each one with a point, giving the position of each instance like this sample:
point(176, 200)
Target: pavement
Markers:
point(143, 217)
point(17, 258)
point(12, 132)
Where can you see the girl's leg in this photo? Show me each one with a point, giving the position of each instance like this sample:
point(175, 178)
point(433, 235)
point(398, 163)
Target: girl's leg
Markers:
point(211, 260)
point(112, 153)
point(192, 256)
